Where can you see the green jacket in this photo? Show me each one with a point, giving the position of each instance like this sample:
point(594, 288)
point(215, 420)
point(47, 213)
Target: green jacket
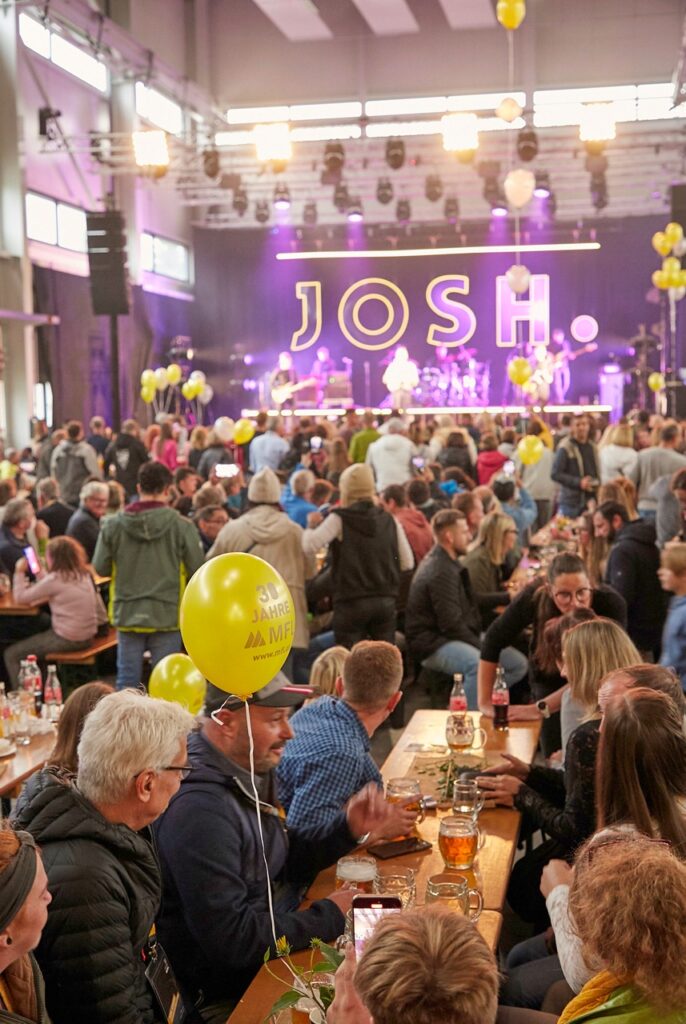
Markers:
point(360, 442)
point(151, 552)
point(624, 1006)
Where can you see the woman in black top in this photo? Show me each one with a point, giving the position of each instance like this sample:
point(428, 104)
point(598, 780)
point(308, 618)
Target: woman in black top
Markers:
point(565, 587)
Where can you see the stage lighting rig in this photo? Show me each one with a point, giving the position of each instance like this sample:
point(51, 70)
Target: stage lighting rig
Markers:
point(310, 214)
point(395, 154)
point(527, 144)
point(240, 200)
point(355, 213)
point(384, 191)
point(261, 211)
point(433, 189)
point(282, 196)
point(461, 135)
point(542, 186)
point(334, 158)
point(341, 197)
point(599, 192)
point(403, 211)
point(597, 126)
point(451, 209)
point(47, 123)
point(211, 163)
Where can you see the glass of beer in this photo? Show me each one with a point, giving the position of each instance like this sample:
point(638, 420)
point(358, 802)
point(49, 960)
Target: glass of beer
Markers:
point(461, 733)
point(453, 891)
point(468, 800)
point(407, 792)
point(458, 841)
point(357, 871)
point(401, 882)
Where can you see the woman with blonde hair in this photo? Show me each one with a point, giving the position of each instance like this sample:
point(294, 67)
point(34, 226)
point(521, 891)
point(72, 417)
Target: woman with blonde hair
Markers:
point(623, 490)
point(488, 565)
point(589, 651)
point(337, 460)
point(197, 445)
point(327, 668)
point(617, 455)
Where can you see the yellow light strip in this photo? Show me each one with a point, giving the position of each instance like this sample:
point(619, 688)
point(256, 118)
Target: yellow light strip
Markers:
point(433, 410)
point(464, 250)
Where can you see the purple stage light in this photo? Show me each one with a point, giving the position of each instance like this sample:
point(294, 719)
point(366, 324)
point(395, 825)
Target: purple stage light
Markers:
point(354, 216)
point(542, 192)
point(584, 328)
point(499, 211)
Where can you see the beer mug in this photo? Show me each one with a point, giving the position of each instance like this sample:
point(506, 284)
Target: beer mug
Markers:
point(453, 891)
point(407, 792)
point(460, 732)
point(357, 871)
point(468, 800)
point(458, 840)
point(400, 882)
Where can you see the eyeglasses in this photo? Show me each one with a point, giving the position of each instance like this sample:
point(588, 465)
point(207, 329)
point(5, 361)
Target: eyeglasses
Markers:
point(565, 596)
point(184, 769)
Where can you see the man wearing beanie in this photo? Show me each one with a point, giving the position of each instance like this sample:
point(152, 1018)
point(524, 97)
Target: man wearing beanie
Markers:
point(266, 531)
point(370, 550)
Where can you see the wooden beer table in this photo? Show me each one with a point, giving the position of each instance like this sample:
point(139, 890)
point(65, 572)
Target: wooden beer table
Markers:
point(494, 861)
point(8, 606)
point(24, 763)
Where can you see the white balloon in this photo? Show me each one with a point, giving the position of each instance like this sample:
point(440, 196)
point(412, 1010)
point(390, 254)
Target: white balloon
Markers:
point(206, 395)
point(680, 248)
point(509, 110)
point(198, 375)
point(223, 428)
point(677, 293)
point(518, 277)
point(519, 187)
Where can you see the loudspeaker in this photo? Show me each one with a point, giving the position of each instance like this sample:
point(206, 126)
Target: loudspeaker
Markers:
point(107, 261)
point(678, 202)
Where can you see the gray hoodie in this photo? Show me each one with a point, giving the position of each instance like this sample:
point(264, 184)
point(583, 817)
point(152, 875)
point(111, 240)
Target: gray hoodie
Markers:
point(72, 463)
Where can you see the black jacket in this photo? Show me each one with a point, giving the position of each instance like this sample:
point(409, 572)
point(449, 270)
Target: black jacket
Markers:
point(457, 457)
point(127, 454)
point(632, 570)
point(85, 528)
point(56, 515)
point(105, 885)
point(11, 550)
point(441, 606)
point(366, 562)
point(214, 924)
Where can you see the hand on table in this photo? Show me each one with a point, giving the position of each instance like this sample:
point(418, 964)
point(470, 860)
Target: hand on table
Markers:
point(500, 788)
point(399, 822)
point(347, 1007)
point(523, 713)
point(510, 765)
point(556, 872)
point(343, 898)
point(367, 811)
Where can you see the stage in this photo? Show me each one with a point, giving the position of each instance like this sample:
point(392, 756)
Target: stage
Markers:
point(452, 410)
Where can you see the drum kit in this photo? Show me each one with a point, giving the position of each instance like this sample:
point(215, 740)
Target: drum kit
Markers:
point(458, 380)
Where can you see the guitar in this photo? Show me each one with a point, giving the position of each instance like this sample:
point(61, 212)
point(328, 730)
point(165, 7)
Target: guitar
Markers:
point(283, 392)
point(538, 384)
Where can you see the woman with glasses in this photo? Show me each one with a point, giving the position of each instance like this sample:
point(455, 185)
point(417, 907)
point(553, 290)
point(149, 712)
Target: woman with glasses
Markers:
point(565, 587)
point(488, 564)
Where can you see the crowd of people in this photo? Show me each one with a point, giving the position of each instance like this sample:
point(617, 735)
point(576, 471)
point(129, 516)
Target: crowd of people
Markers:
point(414, 552)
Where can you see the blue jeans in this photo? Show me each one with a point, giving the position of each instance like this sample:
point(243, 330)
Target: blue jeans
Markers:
point(531, 970)
point(132, 646)
point(457, 656)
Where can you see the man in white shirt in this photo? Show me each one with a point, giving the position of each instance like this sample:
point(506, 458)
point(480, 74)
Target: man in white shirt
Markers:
point(391, 456)
point(654, 462)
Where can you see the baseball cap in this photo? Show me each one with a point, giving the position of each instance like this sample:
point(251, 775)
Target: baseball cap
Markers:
point(278, 693)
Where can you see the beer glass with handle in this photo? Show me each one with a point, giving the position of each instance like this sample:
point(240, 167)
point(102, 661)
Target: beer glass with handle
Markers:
point(408, 793)
point(458, 841)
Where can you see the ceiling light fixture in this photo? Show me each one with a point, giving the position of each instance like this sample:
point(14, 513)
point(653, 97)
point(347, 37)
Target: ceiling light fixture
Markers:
point(527, 144)
point(597, 126)
point(384, 191)
point(240, 200)
point(458, 250)
point(272, 142)
point(542, 187)
point(461, 135)
point(433, 188)
point(151, 151)
point(261, 211)
point(310, 213)
point(341, 197)
point(282, 196)
point(355, 214)
point(451, 209)
point(395, 154)
point(403, 211)
point(211, 164)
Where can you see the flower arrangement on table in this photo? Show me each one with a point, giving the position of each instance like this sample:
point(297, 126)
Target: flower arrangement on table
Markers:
point(313, 982)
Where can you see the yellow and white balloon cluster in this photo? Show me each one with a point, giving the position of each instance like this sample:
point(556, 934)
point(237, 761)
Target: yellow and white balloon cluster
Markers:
point(155, 383)
point(671, 245)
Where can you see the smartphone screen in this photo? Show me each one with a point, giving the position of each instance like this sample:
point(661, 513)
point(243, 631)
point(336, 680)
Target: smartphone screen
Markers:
point(225, 470)
point(509, 467)
point(315, 444)
point(367, 912)
point(32, 559)
point(418, 462)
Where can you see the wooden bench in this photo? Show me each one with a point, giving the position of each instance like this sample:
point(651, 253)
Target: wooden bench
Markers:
point(87, 655)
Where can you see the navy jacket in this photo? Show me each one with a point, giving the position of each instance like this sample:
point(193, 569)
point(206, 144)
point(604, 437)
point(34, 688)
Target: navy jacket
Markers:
point(631, 569)
point(214, 923)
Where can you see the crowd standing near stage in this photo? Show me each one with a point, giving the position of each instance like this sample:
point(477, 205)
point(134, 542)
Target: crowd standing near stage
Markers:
point(415, 551)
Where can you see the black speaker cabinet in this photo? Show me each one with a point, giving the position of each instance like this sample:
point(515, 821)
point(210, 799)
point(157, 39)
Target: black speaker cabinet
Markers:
point(107, 262)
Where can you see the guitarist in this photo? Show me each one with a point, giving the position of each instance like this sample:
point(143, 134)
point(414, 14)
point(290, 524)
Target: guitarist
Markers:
point(284, 376)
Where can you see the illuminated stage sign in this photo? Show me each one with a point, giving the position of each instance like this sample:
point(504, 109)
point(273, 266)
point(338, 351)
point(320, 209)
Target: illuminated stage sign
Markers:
point(374, 313)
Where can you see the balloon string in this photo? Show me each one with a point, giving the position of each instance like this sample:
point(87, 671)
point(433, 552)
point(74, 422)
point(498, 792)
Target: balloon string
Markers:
point(259, 822)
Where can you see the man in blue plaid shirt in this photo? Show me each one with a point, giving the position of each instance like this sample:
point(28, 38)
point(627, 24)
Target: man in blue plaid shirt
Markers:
point(328, 760)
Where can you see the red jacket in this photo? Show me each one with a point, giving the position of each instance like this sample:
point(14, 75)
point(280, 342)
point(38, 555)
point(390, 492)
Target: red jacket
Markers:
point(417, 531)
point(488, 463)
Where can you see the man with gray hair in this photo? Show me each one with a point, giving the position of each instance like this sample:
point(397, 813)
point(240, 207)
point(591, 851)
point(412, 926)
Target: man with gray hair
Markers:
point(391, 456)
point(84, 525)
point(51, 510)
point(97, 851)
point(297, 496)
point(18, 519)
point(268, 449)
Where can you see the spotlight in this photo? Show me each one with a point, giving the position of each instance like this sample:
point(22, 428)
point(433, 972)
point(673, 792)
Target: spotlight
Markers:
point(310, 213)
point(599, 194)
point(542, 186)
point(334, 157)
point(282, 196)
point(451, 209)
point(493, 193)
point(597, 126)
point(527, 144)
point(461, 135)
point(151, 152)
point(47, 126)
point(384, 191)
point(341, 198)
point(596, 163)
point(499, 206)
point(272, 142)
point(433, 189)
point(261, 211)
point(403, 211)
point(395, 154)
point(211, 163)
point(240, 201)
point(355, 210)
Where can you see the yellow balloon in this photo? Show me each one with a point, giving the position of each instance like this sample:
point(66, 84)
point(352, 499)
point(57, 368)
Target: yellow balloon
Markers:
point(198, 387)
point(175, 678)
point(672, 265)
point(519, 370)
point(161, 378)
point(661, 244)
point(188, 390)
point(237, 622)
point(674, 233)
point(530, 449)
point(511, 13)
point(243, 431)
point(682, 279)
point(656, 381)
point(148, 378)
point(147, 394)
point(173, 373)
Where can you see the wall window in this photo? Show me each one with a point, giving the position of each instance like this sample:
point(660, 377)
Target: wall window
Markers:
point(55, 223)
point(162, 256)
point(158, 109)
point(66, 55)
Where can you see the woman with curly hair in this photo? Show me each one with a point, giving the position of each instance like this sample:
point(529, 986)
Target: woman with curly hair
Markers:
point(628, 905)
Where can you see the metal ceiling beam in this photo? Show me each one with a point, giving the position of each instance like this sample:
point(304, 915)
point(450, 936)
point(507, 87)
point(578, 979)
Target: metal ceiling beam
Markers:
point(387, 17)
point(471, 14)
point(299, 20)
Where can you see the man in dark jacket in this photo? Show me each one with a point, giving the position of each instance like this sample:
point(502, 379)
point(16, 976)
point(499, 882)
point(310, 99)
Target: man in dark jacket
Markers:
point(97, 851)
point(51, 510)
point(126, 454)
point(84, 525)
point(576, 468)
point(632, 568)
point(215, 924)
point(442, 621)
point(73, 462)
